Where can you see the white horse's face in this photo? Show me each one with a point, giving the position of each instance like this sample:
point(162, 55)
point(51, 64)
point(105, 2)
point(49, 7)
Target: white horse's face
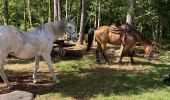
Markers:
point(71, 30)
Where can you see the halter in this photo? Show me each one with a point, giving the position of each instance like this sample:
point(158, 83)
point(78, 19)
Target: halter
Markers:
point(70, 33)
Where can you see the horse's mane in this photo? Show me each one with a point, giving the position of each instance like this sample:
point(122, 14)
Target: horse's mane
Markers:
point(55, 26)
point(142, 37)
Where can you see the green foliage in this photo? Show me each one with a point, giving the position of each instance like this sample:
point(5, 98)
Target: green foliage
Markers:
point(147, 13)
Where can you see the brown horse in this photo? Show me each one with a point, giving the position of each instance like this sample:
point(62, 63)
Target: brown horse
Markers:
point(103, 35)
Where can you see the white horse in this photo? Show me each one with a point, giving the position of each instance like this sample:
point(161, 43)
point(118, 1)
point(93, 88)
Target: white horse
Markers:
point(36, 43)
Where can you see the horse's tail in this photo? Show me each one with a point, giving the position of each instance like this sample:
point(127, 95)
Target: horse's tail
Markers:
point(90, 38)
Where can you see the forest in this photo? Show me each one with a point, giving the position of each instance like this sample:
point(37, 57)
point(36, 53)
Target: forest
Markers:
point(149, 16)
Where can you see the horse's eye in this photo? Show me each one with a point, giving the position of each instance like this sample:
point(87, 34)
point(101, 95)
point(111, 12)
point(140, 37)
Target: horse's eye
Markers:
point(69, 27)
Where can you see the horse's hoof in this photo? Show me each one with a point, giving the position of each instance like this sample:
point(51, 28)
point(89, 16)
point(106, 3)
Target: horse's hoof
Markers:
point(107, 62)
point(98, 62)
point(34, 81)
point(132, 63)
point(120, 62)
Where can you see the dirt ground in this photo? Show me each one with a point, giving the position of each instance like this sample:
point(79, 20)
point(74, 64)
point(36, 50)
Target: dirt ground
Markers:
point(22, 80)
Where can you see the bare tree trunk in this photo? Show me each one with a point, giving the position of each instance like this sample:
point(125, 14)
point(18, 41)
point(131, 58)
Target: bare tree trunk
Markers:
point(79, 13)
point(96, 14)
point(49, 10)
point(130, 13)
point(25, 22)
point(82, 22)
point(29, 12)
point(70, 5)
point(59, 9)
point(99, 14)
point(66, 9)
point(55, 9)
point(5, 16)
point(43, 12)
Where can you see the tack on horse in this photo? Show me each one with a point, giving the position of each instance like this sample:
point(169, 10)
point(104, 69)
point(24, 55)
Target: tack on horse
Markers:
point(36, 43)
point(103, 35)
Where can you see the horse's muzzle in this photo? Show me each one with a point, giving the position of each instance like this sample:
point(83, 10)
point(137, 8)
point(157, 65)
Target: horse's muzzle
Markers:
point(74, 37)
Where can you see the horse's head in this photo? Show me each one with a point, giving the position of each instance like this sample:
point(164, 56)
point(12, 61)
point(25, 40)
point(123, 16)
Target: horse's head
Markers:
point(70, 29)
point(149, 51)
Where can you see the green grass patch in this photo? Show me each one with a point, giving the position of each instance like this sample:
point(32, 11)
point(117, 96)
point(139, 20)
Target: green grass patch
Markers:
point(83, 79)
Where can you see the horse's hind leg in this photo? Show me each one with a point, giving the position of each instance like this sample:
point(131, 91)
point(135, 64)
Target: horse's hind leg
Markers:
point(97, 53)
point(103, 50)
point(132, 53)
point(36, 66)
point(47, 59)
point(97, 56)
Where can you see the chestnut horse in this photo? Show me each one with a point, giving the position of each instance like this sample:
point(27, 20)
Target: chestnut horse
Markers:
point(104, 35)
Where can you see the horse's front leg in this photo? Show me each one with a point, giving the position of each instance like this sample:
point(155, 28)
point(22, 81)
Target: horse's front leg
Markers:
point(36, 66)
point(47, 59)
point(121, 57)
point(2, 71)
point(132, 53)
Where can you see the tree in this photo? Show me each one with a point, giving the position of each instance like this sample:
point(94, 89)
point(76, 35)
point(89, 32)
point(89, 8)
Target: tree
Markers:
point(130, 13)
point(29, 12)
point(5, 17)
point(49, 11)
point(24, 13)
point(66, 9)
point(96, 14)
point(55, 9)
point(43, 12)
point(59, 9)
point(82, 21)
point(99, 14)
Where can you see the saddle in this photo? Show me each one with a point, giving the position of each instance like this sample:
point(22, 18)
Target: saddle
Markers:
point(116, 29)
point(120, 29)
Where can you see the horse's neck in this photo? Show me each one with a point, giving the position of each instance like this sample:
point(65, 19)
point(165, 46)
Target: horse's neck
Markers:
point(139, 37)
point(57, 29)
point(45, 32)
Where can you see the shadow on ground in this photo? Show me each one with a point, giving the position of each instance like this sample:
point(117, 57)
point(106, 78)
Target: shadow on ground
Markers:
point(87, 83)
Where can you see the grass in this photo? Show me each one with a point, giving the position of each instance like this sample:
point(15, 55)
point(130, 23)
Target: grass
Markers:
point(83, 79)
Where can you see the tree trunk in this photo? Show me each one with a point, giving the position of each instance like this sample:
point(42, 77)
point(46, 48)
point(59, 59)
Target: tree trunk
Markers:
point(29, 12)
point(43, 12)
point(59, 9)
point(25, 22)
point(130, 13)
point(78, 18)
point(66, 9)
point(99, 14)
point(82, 21)
point(5, 17)
point(55, 10)
point(96, 14)
point(49, 10)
